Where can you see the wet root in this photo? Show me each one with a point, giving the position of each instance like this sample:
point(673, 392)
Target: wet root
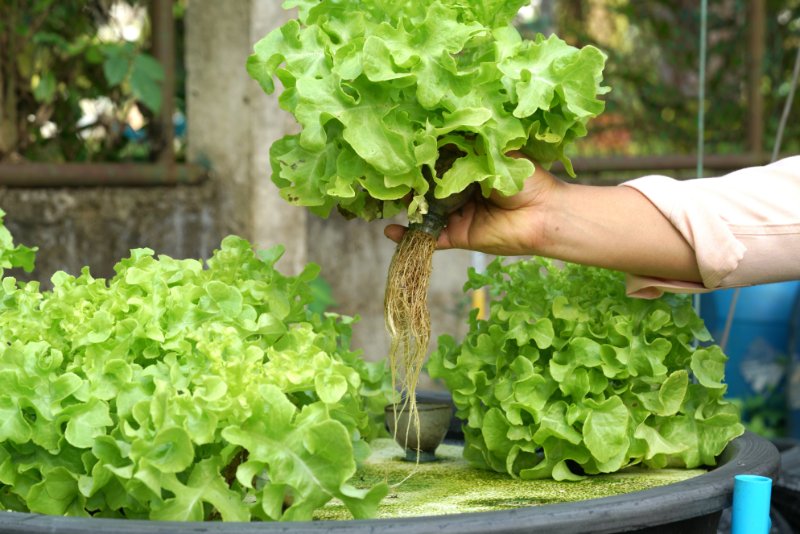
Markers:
point(408, 319)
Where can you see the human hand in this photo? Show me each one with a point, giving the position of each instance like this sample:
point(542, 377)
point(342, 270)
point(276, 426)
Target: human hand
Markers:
point(499, 225)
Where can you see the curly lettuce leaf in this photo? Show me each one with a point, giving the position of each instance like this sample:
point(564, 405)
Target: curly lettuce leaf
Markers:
point(379, 87)
point(183, 391)
point(14, 255)
point(569, 377)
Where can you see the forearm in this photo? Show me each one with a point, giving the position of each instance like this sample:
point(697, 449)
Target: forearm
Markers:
point(616, 228)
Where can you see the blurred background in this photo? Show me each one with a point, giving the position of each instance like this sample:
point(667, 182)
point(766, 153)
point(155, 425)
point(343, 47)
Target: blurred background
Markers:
point(127, 124)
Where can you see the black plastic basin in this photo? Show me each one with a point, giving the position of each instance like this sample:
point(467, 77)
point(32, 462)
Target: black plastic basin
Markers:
point(691, 506)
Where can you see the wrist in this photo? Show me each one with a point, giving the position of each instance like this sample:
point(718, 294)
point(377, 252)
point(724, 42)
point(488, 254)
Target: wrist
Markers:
point(549, 217)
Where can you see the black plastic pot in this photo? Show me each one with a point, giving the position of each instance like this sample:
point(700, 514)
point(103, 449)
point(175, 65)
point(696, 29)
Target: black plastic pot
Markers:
point(786, 490)
point(691, 506)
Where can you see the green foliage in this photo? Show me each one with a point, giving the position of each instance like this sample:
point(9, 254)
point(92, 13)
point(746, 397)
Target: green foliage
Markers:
point(51, 59)
point(765, 413)
point(380, 87)
point(123, 62)
point(653, 50)
point(180, 391)
point(321, 295)
point(14, 255)
point(568, 376)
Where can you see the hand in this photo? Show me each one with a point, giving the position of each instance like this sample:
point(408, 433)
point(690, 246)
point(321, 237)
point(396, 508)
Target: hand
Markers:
point(612, 227)
point(499, 225)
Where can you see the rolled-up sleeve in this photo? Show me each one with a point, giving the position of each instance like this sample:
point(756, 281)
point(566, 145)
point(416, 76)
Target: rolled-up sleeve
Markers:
point(744, 227)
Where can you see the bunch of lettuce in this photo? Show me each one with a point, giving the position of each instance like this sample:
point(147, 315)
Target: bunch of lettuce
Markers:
point(179, 391)
point(569, 377)
point(379, 87)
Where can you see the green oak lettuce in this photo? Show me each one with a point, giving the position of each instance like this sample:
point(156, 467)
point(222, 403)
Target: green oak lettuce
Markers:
point(379, 87)
point(182, 391)
point(569, 377)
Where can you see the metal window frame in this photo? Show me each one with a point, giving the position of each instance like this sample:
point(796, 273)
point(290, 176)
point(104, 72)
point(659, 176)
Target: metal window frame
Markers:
point(165, 171)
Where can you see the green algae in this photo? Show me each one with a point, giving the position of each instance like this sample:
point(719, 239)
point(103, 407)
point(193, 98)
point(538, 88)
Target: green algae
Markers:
point(450, 485)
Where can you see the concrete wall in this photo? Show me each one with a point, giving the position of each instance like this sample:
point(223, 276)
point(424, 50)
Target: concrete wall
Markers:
point(231, 124)
point(354, 256)
point(97, 226)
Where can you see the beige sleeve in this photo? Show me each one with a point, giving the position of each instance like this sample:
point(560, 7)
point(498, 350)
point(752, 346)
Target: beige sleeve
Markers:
point(744, 227)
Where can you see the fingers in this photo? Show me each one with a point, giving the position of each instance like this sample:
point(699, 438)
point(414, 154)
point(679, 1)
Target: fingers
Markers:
point(454, 235)
point(444, 243)
point(394, 232)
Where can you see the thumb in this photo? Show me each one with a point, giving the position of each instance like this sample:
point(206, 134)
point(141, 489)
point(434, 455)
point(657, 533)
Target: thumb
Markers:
point(395, 232)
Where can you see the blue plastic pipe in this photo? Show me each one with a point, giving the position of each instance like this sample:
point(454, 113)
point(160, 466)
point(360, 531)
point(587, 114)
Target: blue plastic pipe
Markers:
point(751, 497)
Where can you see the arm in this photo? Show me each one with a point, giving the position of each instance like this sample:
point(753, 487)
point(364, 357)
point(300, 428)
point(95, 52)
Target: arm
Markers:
point(612, 227)
point(693, 235)
point(616, 228)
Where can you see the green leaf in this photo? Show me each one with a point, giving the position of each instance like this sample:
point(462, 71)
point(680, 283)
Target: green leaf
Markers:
point(656, 443)
point(562, 309)
point(305, 451)
point(330, 387)
point(147, 76)
point(542, 333)
point(13, 426)
point(116, 70)
point(45, 89)
point(708, 366)
point(85, 422)
point(605, 433)
point(376, 89)
point(170, 451)
point(119, 393)
point(205, 485)
point(553, 423)
point(567, 365)
point(226, 299)
point(22, 257)
point(533, 392)
point(495, 432)
point(672, 392)
point(56, 494)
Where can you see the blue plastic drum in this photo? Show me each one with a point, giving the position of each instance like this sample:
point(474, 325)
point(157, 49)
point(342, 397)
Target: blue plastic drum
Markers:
point(793, 378)
point(758, 345)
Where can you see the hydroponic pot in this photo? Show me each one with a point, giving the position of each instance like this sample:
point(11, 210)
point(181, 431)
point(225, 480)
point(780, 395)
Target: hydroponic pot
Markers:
point(691, 506)
point(786, 492)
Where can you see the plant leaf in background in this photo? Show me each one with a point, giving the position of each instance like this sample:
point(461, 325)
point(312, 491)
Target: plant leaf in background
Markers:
point(147, 76)
point(117, 62)
point(11, 255)
point(45, 89)
point(321, 295)
point(123, 63)
point(184, 392)
point(569, 376)
point(378, 88)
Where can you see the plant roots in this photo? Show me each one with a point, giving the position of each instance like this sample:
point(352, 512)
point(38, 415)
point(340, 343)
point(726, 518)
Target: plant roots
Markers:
point(407, 317)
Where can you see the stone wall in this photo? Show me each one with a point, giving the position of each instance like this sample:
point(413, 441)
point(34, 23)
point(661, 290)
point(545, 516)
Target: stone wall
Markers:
point(97, 226)
point(354, 256)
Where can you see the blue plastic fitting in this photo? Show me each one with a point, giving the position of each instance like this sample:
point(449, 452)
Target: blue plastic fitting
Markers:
point(751, 499)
